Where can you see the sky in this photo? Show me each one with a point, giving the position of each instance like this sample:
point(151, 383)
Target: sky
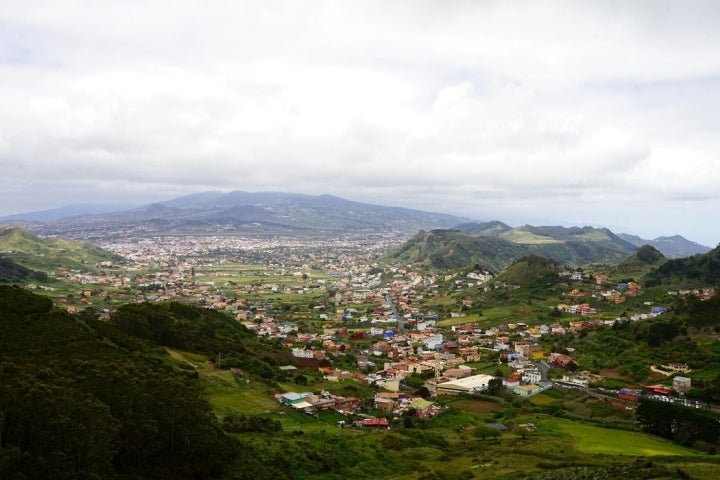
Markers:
point(602, 113)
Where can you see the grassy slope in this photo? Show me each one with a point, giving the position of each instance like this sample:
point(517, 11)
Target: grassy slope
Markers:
point(46, 254)
point(592, 439)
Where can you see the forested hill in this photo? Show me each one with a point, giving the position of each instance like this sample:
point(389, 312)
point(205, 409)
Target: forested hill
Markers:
point(80, 399)
point(32, 251)
point(11, 272)
point(453, 249)
point(531, 270)
point(446, 249)
point(640, 263)
point(697, 271)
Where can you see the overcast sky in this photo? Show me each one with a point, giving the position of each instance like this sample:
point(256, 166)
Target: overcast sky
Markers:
point(601, 113)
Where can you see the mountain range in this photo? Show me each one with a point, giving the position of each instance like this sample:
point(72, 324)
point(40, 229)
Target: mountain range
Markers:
point(674, 246)
point(277, 213)
point(238, 212)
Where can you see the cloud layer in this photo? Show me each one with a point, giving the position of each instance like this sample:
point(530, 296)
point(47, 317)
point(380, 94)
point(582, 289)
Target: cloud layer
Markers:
point(573, 112)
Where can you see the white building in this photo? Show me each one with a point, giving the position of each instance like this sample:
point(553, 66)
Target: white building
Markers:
point(473, 384)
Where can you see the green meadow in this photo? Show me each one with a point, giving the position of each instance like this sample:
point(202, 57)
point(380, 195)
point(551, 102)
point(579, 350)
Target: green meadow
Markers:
point(598, 440)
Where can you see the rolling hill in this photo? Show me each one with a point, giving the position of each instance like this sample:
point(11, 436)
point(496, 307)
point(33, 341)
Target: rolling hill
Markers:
point(46, 254)
point(567, 246)
point(447, 249)
point(696, 271)
point(531, 270)
point(640, 263)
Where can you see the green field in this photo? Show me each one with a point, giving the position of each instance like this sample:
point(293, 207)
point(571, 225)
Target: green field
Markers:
point(598, 440)
point(494, 315)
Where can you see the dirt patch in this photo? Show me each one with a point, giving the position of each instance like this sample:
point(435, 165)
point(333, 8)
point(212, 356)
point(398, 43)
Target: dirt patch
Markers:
point(615, 373)
point(478, 406)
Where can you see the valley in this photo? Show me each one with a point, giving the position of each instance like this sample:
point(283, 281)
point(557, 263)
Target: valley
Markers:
point(408, 369)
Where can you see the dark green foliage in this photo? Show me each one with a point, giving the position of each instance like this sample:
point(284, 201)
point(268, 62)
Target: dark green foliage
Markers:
point(50, 429)
point(181, 326)
point(239, 423)
point(641, 469)
point(700, 314)
point(79, 399)
point(483, 432)
point(680, 424)
point(640, 263)
point(698, 270)
point(414, 380)
point(17, 301)
point(532, 270)
point(495, 386)
point(11, 272)
point(648, 255)
point(448, 249)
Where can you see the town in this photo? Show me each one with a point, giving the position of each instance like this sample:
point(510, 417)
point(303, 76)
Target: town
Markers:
point(334, 298)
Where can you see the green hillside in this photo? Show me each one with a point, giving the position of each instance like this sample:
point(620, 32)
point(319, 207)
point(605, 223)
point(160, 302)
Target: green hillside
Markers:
point(11, 272)
point(696, 271)
point(531, 270)
point(85, 399)
point(446, 249)
point(79, 399)
point(46, 254)
point(640, 263)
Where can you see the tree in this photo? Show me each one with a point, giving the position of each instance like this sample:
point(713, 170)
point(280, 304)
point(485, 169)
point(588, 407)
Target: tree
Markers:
point(484, 432)
point(523, 432)
point(495, 386)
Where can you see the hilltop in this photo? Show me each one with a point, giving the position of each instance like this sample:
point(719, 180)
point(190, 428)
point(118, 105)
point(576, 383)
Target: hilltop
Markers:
point(640, 263)
point(32, 251)
point(447, 249)
point(698, 270)
point(530, 270)
point(568, 246)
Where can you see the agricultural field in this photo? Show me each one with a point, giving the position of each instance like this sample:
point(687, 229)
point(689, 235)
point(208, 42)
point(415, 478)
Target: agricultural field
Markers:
point(598, 440)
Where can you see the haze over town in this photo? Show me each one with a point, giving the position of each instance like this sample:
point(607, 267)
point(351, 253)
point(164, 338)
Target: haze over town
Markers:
point(594, 113)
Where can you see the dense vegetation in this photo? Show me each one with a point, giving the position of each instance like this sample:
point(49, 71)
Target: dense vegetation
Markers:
point(683, 425)
point(447, 249)
point(11, 272)
point(199, 330)
point(46, 254)
point(698, 270)
point(530, 270)
point(78, 399)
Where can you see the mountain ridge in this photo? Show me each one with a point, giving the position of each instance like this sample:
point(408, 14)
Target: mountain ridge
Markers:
point(453, 248)
point(263, 213)
point(674, 246)
point(267, 213)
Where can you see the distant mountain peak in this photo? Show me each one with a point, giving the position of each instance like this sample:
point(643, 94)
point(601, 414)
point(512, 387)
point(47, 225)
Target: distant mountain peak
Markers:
point(674, 246)
point(261, 213)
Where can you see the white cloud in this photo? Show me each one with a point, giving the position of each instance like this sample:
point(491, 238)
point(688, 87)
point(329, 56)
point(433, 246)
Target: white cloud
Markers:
point(552, 109)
